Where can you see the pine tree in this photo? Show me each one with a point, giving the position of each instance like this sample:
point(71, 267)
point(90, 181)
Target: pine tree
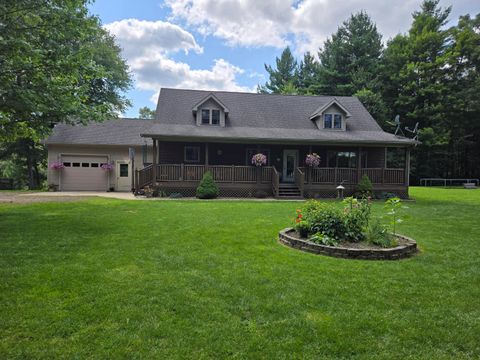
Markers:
point(349, 60)
point(284, 74)
point(307, 76)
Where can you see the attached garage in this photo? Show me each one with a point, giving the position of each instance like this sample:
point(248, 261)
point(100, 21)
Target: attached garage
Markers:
point(84, 173)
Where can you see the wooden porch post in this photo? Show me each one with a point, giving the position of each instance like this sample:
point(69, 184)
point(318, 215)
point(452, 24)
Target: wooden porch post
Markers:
point(309, 168)
point(206, 154)
point(154, 162)
point(407, 166)
point(359, 165)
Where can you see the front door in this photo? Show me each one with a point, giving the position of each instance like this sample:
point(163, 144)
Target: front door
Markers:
point(290, 163)
point(124, 176)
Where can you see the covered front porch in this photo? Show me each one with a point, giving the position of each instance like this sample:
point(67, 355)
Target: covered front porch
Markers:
point(179, 166)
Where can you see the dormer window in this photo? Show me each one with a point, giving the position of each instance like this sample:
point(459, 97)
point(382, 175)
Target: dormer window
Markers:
point(210, 111)
point(205, 116)
point(215, 117)
point(332, 121)
point(210, 117)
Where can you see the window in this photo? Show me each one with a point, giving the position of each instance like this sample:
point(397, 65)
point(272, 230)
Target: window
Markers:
point(337, 121)
point(395, 158)
point(327, 121)
point(85, 165)
point(192, 154)
point(66, 164)
point(342, 159)
point(250, 152)
point(94, 165)
point(332, 121)
point(215, 117)
point(205, 116)
point(210, 117)
point(123, 170)
point(76, 164)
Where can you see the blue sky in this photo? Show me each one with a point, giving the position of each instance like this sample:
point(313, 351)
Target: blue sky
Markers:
point(223, 44)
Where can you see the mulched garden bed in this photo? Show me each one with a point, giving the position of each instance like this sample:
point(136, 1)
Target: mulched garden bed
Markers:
point(406, 247)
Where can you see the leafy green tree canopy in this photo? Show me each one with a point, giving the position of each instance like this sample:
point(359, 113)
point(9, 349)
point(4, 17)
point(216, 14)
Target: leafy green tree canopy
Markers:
point(57, 64)
point(146, 113)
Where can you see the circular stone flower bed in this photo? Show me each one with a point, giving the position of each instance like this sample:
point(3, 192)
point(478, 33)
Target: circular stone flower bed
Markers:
point(405, 248)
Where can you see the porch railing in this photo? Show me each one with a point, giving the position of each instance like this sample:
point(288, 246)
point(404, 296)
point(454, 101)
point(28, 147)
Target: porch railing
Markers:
point(266, 175)
point(221, 173)
point(300, 180)
point(377, 176)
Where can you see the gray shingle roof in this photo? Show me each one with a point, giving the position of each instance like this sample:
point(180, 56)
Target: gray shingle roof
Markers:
point(252, 117)
point(113, 132)
point(264, 117)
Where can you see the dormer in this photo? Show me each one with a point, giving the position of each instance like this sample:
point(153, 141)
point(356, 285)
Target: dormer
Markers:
point(331, 116)
point(210, 111)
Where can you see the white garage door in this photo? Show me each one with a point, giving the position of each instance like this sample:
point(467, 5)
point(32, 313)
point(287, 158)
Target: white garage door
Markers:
point(84, 173)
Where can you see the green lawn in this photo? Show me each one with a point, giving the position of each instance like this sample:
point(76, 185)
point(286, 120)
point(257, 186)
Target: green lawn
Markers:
point(197, 279)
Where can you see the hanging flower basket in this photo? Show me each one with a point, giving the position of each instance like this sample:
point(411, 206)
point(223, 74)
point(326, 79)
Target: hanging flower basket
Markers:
point(56, 165)
point(312, 160)
point(107, 167)
point(259, 159)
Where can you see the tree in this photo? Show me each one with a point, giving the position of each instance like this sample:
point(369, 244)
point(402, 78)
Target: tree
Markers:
point(414, 78)
point(284, 76)
point(349, 60)
point(207, 189)
point(375, 105)
point(146, 113)
point(307, 75)
point(57, 65)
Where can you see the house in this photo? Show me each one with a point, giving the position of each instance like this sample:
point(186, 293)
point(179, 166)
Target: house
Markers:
point(195, 131)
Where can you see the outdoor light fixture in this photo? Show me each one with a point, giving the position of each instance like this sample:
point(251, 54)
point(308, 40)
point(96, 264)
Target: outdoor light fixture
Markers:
point(340, 189)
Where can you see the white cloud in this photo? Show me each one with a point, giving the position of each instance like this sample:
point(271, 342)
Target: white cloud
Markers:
point(141, 37)
point(148, 46)
point(305, 24)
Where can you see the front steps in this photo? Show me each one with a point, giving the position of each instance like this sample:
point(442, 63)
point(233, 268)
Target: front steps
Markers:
point(289, 191)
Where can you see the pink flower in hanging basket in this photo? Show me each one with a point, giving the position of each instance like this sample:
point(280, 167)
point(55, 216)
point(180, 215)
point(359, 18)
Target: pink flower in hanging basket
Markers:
point(259, 159)
point(56, 165)
point(107, 167)
point(312, 160)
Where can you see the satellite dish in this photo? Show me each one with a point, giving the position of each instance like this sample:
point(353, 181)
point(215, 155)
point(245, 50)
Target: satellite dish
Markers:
point(414, 131)
point(397, 124)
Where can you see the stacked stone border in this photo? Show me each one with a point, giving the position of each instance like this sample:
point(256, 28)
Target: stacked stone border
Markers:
point(399, 252)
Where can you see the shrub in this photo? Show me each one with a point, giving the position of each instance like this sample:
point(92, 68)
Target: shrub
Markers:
point(207, 189)
point(324, 218)
point(365, 187)
point(377, 234)
point(356, 216)
point(384, 195)
point(323, 239)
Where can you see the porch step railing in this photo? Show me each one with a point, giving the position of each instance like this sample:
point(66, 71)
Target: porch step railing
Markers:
point(300, 180)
